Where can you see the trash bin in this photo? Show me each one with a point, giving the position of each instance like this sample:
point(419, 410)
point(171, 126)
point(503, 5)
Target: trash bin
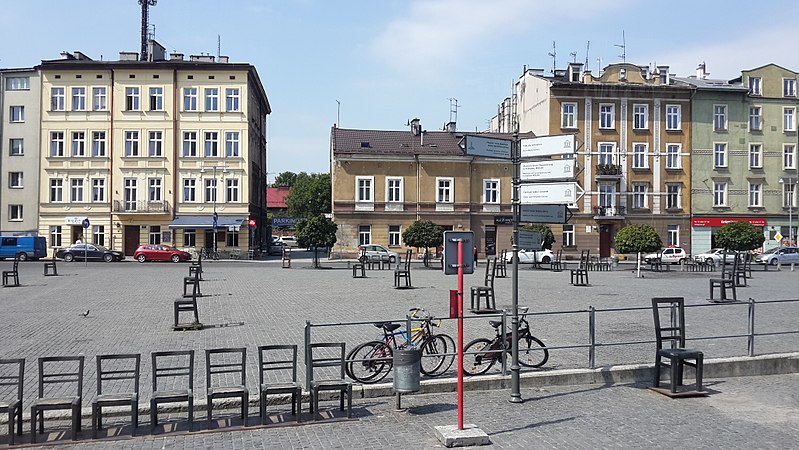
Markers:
point(407, 370)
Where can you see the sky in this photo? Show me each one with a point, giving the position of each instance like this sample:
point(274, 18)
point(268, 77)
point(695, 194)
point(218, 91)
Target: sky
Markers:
point(376, 64)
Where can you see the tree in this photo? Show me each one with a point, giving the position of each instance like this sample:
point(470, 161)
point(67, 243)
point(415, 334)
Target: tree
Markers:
point(739, 236)
point(316, 232)
point(546, 233)
point(638, 239)
point(285, 179)
point(309, 196)
point(423, 233)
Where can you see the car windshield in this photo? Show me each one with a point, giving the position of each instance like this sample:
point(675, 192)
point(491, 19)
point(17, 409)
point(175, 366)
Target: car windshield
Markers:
point(102, 249)
point(771, 250)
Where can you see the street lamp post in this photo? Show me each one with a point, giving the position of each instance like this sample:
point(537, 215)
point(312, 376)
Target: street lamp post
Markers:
point(215, 193)
point(790, 182)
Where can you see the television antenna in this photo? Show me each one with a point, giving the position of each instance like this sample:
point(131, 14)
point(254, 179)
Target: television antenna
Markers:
point(587, 47)
point(553, 54)
point(145, 20)
point(623, 47)
point(453, 109)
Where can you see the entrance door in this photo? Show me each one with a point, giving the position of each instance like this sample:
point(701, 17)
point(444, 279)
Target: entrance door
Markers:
point(490, 248)
point(77, 233)
point(604, 240)
point(131, 239)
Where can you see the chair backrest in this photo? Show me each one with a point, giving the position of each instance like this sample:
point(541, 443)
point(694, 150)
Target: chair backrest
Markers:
point(584, 256)
point(558, 255)
point(61, 370)
point(503, 256)
point(488, 270)
point(118, 367)
point(224, 361)
point(407, 261)
point(12, 376)
point(674, 331)
point(326, 354)
point(277, 363)
point(182, 366)
point(490, 278)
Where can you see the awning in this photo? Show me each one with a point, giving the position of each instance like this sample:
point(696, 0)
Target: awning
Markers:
point(207, 222)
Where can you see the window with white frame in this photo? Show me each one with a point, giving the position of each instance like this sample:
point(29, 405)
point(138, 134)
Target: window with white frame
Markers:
point(56, 143)
point(607, 153)
point(131, 98)
point(640, 117)
point(789, 156)
point(639, 195)
point(231, 99)
point(673, 156)
point(55, 235)
point(755, 156)
point(15, 213)
point(212, 99)
point(607, 195)
point(190, 143)
point(394, 190)
point(720, 154)
point(16, 147)
point(232, 190)
point(98, 144)
point(130, 193)
point(57, 99)
point(719, 117)
point(755, 119)
point(568, 113)
point(720, 193)
point(189, 237)
point(491, 191)
point(789, 119)
point(232, 144)
point(155, 143)
point(156, 98)
point(131, 143)
point(607, 115)
point(210, 190)
point(98, 190)
point(364, 234)
point(755, 85)
point(640, 157)
point(673, 235)
point(568, 235)
point(98, 235)
point(190, 99)
point(211, 142)
point(755, 194)
point(189, 190)
point(673, 117)
point(99, 102)
point(78, 143)
point(673, 196)
point(15, 180)
point(56, 190)
point(232, 239)
point(364, 189)
point(155, 235)
point(79, 98)
point(18, 83)
point(444, 191)
point(394, 236)
point(76, 190)
point(788, 87)
point(17, 114)
point(155, 190)
point(789, 194)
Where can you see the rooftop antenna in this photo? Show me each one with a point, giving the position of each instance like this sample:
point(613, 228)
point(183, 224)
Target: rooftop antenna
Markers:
point(599, 66)
point(453, 109)
point(574, 56)
point(623, 47)
point(587, 47)
point(553, 54)
point(218, 45)
point(145, 20)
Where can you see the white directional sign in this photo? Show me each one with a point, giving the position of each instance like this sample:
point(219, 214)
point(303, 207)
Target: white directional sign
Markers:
point(531, 240)
point(553, 169)
point(548, 145)
point(488, 147)
point(544, 213)
point(548, 193)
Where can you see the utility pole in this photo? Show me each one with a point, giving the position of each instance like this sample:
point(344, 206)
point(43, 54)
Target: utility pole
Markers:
point(145, 20)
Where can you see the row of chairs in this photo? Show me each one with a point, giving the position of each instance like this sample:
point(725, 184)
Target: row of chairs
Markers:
point(172, 382)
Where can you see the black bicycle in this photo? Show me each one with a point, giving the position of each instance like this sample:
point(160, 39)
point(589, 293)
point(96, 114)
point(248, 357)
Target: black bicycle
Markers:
point(482, 353)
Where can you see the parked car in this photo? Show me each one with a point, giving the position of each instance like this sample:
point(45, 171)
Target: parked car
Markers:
point(530, 257)
point(27, 247)
point(290, 241)
point(373, 251)
point(160, 253)
point(276, 248)
point(714, 255)
point(91, 252)
point(669, 255)
point(781, 255)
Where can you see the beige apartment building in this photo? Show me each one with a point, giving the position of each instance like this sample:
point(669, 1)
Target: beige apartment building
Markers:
point(152, 151)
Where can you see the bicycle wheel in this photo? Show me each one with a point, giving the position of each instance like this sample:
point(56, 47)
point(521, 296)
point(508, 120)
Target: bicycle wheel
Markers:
point(532, 352)
point(376, 362)
point(480, 359)
point(435, 360)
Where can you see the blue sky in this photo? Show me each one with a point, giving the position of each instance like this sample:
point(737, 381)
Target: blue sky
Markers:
point(388, 61)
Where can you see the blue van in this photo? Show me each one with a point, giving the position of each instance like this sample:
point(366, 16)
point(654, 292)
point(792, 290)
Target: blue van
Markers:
point(27, 247)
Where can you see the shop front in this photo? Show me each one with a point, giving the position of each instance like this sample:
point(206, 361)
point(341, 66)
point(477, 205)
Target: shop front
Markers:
point(703, 228)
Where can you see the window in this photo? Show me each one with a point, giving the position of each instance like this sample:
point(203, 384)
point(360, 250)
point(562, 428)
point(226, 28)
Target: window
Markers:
point(76, 190)
point(154, 190)
point(232, 239)
point(789, 156)
point(755, 156)
point(720, 154)
point(445, 190)
point(56, 190)
point(55, 236)
point(15, 180)
point(607, 195)
point(568, 115)
point(99, 99)
point(607, 116)
point(673, 157)
point(364, 234)
point(210, 190)
point(789, 195)
point(156, 99)
point(394, 190)
point(606, 153)
point(190, 143)
point(155, 235)
point(363, 188)
point(57, 99)
point(79, 99)
point(673, 235)
point(56, 143)
point(673, 115)
point(16, 147)
point(232, 144)
point(211, 144)
point(130, 193)
point(232, 190)
point(189, 190)
point(98, 190)
point(393, 235)
point(673, 196)
point(18, 83)
point(640, 158)
point(131, 143)
point(719, 117)
point(639, 196)
point(211, 99)
point(788, 119)
point(98, 235)
point(755, 85)
point(189, 99)
point(755, 195)
point(490, 191)
point(17, 114)
point(788, 87)
point(189, 237)
point(78, 143)
point(131, 99)
point(155, 143)
point(232, 99)
point(568, 235)
point(719, 194)
point(640, 117)
point(98, 144)
point(755, 122)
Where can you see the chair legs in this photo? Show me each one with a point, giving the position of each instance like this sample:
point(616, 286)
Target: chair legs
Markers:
point(14, 416)
point(344, 391)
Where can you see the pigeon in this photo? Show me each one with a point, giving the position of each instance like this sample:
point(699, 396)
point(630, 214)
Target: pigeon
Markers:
point(85, 314)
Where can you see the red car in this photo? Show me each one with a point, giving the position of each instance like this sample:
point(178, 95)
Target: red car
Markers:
point(160, 253)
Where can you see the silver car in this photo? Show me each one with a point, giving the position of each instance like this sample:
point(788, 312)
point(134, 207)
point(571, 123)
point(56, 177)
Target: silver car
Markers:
point(714, 255)
point(377, 252)
point(781, 255)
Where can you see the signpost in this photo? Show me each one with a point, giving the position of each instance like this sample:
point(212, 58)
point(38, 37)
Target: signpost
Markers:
point(547, 146)
point(488, 147)
point(531, 240)
point(86, 224)
point(549, 193)
point(545, 214)
point(553, 169)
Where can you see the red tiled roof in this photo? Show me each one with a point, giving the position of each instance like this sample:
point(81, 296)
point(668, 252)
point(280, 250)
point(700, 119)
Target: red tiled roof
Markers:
point(276, 197)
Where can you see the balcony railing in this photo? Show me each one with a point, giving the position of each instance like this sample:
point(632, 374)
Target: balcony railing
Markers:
point(608, 171)
point(141, 207)
point(609, 212)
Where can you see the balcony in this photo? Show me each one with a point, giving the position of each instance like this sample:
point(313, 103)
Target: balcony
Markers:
point(608, 172)
point(141, 207)
point(609, 212)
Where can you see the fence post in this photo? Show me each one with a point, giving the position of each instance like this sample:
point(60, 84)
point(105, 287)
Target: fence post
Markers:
point(591, 337)
point(307, 345)
point(751, 340)
point(504, 343)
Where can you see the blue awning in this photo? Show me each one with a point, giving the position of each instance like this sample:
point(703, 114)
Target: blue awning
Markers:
point(207, 222)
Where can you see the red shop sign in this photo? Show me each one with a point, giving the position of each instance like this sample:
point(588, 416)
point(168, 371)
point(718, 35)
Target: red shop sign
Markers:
point(721, 221)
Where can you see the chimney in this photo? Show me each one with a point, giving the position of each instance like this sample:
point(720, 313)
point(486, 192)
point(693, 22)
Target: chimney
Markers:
point(174, 56)
point(224, 59)
point(202, 58)
point(663, 72)
point(155, 51)
point(416, 127)
point(128, 56)
point(701, 74)
point(450, 127)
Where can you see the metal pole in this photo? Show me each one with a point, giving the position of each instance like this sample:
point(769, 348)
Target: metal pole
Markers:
point(460, 334)
point(751, 339)
point(504, 353)
point(515, 395)
point(308, 374)
point(215, 225)
point(591, 337)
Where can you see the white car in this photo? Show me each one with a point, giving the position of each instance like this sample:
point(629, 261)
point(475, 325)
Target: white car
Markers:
point(530, 257)
point(289, 241)
point(669, 255)
point(714, 255)
point(373, 251)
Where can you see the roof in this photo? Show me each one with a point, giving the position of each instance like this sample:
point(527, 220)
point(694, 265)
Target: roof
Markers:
point(276, 197)
point(207, 222)
point(709, 83)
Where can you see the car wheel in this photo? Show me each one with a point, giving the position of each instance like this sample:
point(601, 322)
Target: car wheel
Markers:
point(68, 257)
point(392, 259)
point(141, 258)
point(175, 258)
point(773, 262)
point(23, 256)
point(546, 260)
point(709, 261)
point(108, 257)
point(681, 261)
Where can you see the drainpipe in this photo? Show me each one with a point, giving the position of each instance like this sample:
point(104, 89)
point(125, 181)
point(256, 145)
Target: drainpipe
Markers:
point(111, 164)
point(175, 147)
point(418, 169)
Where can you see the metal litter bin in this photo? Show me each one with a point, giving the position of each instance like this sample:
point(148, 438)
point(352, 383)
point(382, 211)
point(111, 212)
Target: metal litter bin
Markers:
point(407, 370)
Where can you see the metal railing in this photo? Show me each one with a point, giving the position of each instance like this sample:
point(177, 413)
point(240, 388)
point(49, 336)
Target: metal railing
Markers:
point(141, 206)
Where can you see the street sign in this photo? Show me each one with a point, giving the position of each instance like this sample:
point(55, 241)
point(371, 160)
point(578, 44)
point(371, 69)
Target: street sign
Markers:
point(488, 147)
point(216, 220)
point(251, 222)
point(553, 169)
point(778, 236)
point(531, 240)
point(548, 193)
point(547, 146)
point(545, 213)
point(451, 239)
point(86, 223)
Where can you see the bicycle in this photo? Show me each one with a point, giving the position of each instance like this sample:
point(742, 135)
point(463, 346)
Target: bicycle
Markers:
point(371, 361)
point(482, 353)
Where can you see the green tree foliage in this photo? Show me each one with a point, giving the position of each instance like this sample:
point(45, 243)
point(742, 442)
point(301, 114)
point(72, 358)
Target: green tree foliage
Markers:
point(637, 239)
point(316, 232)
point(309, 195)
point(423, 233)
point(285, 179)
point(739, 236)
point(546, 232)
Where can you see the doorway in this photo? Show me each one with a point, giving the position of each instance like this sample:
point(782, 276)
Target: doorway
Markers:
point(605, 233)
point(77, 233)
point(490, 243)
point(131, 239)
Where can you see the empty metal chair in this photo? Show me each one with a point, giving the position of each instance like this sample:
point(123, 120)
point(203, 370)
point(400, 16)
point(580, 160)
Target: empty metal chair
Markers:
point(223, 361)
point(12, 372)
point(64, 371)
point(176, 365)
point(114, 369)
point(677, 355)
point(328, 354)
point(486, 290)
point(284, 360)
